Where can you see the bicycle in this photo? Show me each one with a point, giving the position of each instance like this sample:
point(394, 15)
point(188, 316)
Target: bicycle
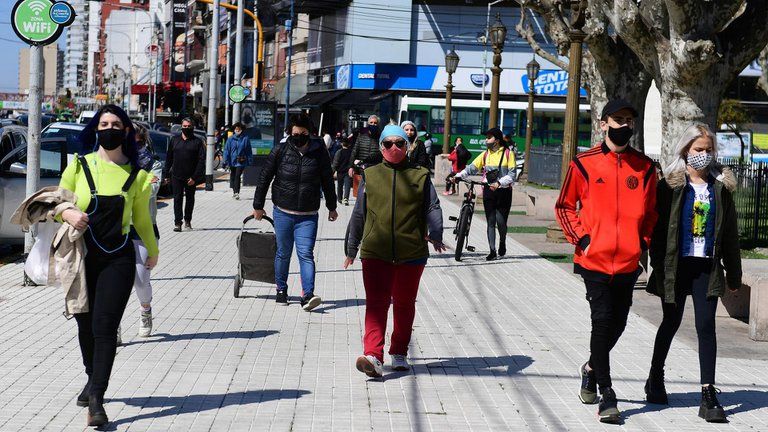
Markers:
point(464, 220)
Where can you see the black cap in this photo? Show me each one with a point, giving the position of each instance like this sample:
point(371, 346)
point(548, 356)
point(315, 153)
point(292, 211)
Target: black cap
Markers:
point(496, 133)
point(616, 106)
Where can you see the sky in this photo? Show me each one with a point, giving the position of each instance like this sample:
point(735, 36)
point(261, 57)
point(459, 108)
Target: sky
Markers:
point(9, 49)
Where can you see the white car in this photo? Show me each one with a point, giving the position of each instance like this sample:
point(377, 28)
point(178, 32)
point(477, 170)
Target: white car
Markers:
point(85, 117)
point(13, 171)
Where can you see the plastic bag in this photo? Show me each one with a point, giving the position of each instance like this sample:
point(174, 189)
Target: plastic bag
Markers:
point(38, 260)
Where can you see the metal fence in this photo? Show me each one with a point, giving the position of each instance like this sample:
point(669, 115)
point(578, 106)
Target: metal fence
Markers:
point(544, 166)
point(751, 199)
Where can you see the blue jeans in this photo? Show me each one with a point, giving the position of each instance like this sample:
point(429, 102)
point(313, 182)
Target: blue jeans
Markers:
point(302, 230)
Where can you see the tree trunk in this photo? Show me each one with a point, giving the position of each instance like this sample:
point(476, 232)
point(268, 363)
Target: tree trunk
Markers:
point(683, 105)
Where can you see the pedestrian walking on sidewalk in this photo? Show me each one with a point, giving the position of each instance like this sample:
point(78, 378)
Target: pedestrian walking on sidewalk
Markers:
point(695, 239)
point(365, 149)
point(497, 165)
point(143, 285)
point(238, 155)
point(607, 209)
point(417, 152)
point(459, 157)
point(184, 170)
point(113, 193)
point(298, 170)
point(399, 212)
point(339, 165)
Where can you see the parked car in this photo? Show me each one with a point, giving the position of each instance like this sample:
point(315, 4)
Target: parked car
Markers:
point(45, 119)
point(70, 132)
point(85, 117)
point(13, 171)
point(9, 122)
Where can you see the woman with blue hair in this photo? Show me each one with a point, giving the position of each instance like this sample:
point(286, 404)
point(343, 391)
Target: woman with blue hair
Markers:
point(113, 193)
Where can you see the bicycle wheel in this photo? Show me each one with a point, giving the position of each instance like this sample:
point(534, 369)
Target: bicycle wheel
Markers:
point(462, 231)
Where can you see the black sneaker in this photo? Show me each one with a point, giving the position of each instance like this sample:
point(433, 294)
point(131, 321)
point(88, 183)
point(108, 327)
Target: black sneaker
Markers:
point(491, 256)
point(608, 411)
point(502, 249)
point(82, 398)
point(97, 416)
point(177, 228)
point(282, 297)
point(188, 226)
point(655, 391)
point(310, 301)
point(588, 391)
point(710, 409)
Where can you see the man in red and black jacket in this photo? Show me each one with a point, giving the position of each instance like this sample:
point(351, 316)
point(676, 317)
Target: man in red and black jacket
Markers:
point(607, 209)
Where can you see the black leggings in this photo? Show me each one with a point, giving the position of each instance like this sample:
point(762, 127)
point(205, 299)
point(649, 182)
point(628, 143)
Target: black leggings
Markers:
point(235, 177)
point(497, 204)
point(110, 280)
point(609, 303)
point(692, 278)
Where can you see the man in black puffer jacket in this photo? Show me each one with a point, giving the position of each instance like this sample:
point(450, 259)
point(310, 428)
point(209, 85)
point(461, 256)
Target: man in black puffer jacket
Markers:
point(300, 168)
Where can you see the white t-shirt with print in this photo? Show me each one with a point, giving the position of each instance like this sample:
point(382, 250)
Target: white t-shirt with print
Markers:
point(701, 205)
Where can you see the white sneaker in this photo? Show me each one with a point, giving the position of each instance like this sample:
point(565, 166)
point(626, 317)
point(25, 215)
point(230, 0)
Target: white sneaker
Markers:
point(145, 324)
point(370, 366)
point(119, 337)
point(237, 196)
point(399, 362)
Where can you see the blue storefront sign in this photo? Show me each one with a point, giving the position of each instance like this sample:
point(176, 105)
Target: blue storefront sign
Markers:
point(550, 82)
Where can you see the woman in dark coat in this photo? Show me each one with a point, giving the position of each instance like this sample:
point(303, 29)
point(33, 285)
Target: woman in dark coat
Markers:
point(694, 251)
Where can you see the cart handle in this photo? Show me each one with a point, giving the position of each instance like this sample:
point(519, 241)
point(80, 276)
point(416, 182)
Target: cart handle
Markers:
point(265, 217)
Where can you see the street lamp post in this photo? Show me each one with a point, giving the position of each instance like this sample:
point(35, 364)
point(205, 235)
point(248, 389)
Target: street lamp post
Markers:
point(485, 46)
point(498, 34)
point(451, 63)
point(533, 73)
point(571, 128)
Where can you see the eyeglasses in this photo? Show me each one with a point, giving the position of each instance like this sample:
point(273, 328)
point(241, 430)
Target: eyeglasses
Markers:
point(390, 143)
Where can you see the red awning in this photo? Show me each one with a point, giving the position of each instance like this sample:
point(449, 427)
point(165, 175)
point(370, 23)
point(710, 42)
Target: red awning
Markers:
point(140, 89)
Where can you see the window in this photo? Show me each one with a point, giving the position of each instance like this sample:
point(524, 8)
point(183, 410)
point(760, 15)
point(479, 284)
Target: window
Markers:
point(464, 121)
point(6, 145)
point(419, 118)
point(53, 160)
point(510, 121)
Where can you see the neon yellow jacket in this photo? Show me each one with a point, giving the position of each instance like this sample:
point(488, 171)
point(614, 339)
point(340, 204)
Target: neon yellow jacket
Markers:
point(489, 161)
point(109, 179)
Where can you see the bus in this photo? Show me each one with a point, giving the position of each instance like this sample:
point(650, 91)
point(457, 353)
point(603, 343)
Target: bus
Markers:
point(469, 120)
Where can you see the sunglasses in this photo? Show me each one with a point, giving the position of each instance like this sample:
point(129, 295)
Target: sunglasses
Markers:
point(390, 143)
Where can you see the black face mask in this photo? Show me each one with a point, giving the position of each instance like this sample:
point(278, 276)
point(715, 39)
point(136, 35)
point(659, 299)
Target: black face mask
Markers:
point(375, 131)
point(188, 131)
point(299, 140)
point(111, 139)
point(620, 136)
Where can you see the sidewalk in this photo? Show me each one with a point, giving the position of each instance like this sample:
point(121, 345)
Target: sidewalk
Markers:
point(496, 347)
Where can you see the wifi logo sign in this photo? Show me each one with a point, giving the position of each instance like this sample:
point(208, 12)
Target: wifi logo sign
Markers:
point(37, 6)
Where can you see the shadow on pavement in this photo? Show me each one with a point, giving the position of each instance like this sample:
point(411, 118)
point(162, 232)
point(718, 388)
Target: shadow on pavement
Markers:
point(212, 277)
point(474, 366)
point(176, 405)
point(165, 337)
point(736, 402)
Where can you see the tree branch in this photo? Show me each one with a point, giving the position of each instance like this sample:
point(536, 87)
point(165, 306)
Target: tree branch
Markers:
point(628, 22)
point(745, 36)
point(525, 31)
point(762, 60)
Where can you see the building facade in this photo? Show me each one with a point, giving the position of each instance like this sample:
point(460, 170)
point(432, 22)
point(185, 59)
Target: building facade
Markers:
point(52, 57)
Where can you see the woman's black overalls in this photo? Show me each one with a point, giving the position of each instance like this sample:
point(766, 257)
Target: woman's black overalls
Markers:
point(110, 268)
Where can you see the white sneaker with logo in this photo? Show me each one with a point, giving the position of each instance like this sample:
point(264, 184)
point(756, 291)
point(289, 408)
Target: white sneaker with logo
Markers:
point(145, 324)
point(370, 366)
point(400, 362)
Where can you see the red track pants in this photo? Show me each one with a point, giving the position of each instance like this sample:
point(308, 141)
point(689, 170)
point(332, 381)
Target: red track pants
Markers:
point(385, 284)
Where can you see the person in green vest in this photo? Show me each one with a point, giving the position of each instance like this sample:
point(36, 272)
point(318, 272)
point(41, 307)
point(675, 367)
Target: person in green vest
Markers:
point(395, 217)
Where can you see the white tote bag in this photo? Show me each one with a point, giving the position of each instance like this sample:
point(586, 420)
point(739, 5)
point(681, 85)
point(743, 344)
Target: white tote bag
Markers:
point(36, 266)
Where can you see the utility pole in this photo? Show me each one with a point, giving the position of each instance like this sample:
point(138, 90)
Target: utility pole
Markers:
point(213, 91)
point(227, 120)
point(238, 55)
point(256, 41)
point(33, 130)
point(288, 70)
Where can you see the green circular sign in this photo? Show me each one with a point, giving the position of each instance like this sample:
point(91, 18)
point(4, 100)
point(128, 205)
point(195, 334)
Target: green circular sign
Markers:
point(238, 93)
point(40, 22)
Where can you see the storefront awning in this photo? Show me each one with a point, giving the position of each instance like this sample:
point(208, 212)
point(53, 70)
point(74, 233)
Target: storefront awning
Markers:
point(361, 97)
point(318, 98)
